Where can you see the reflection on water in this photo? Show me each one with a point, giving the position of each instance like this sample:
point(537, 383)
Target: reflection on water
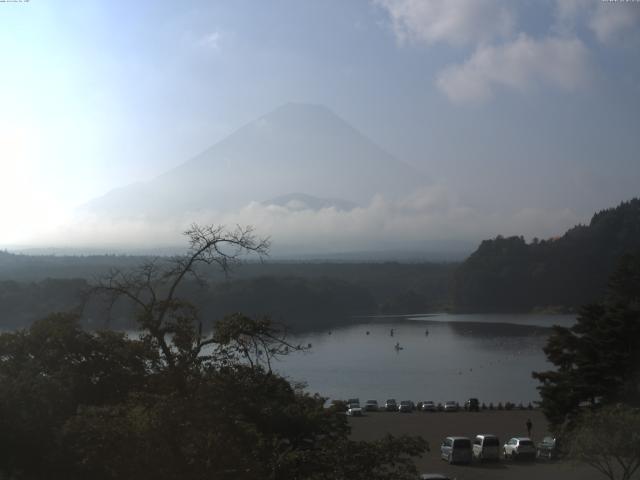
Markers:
point(442, 357)
point(531, 319)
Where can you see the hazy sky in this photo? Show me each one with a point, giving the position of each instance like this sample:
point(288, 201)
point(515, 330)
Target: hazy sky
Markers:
point(513, 107)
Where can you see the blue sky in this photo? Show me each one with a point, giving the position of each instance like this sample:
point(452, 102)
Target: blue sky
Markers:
point(523, 109)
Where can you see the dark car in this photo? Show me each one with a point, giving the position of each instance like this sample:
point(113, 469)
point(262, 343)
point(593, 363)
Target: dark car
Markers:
point(429, 406)
point(451, 406)
point(371, 406)
point(472, 405)
point(391, 405)
point(548, 448)
point(456, 450)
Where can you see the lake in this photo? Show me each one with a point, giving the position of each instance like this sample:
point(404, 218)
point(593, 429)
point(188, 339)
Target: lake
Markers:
point(490, 357)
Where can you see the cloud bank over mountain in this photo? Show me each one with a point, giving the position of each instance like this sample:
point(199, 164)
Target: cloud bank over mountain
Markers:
point(311, 182)
point(427, 220)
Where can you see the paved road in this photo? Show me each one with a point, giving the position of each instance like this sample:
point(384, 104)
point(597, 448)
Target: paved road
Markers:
point(435, 426)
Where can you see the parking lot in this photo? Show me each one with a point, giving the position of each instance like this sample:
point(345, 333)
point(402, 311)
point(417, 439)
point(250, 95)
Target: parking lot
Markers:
point(434, 427)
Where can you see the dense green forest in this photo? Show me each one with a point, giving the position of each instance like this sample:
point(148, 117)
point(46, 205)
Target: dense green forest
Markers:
point(502, 275)
point(508, 274)
point(303, 296)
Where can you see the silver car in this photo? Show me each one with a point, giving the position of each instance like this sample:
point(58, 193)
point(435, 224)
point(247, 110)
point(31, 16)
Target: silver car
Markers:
point(519, 448)
point(354, 410)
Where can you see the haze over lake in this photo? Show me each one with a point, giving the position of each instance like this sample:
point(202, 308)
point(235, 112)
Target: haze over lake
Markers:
point(486, 356)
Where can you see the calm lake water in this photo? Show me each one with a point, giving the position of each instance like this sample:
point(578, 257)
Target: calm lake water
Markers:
point(490, 357)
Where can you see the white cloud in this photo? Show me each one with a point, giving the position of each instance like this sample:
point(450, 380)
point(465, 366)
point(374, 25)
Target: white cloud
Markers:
point(519, 65)
point(568, 13)
point(429, 215)
point(210, 40)
point(504, 55)
point(611, 21)
point(457, 22)
point(570, 9)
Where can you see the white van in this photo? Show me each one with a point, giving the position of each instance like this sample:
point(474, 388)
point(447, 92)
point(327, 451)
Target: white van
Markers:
point(486, 447)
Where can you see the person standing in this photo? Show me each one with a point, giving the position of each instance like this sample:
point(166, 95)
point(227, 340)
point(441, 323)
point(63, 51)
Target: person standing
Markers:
point(529, 426)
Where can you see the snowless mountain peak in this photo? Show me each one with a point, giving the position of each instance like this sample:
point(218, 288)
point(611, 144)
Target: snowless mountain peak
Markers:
point(295, 148)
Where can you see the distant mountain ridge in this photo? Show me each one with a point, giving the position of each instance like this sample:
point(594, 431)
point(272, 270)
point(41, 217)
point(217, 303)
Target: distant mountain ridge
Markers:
point(295, 148)
point(507, 274)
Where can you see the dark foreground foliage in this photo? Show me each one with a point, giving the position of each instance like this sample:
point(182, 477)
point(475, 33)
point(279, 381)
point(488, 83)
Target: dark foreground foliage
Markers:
point(177, 403)
point(83, 405)
point(598, 359)
point(608, 439)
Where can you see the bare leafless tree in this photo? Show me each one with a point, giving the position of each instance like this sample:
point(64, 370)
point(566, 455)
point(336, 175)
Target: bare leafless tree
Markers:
point(172, 323)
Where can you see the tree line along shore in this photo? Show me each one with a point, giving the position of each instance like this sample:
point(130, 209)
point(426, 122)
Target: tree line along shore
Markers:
point(505, 274)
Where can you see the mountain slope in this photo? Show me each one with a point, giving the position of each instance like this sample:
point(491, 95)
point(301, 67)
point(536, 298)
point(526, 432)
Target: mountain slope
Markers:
point(296, 148)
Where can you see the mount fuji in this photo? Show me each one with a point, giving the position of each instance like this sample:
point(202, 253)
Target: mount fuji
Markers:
point(298, 151)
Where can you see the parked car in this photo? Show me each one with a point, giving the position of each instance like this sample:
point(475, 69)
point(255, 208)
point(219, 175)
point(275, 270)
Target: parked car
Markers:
point(486, 447)
point(353, 400)
point(391, 405)
point(456, 450)
point(406, 406)
point(434, 476)
point(519, 448)
point(472, 405)
point(428, 406)
point(451, 406)
point(371, 406)
point(354, 410)
point(548, 448)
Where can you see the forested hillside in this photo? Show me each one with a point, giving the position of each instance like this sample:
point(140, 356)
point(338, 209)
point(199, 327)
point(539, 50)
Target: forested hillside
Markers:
point(301, 295)
point(508, 274)
point(502, 275)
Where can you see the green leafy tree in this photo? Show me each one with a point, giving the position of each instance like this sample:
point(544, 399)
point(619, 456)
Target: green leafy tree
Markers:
point(46, 374)
point(608, 439)
point(598, 358)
